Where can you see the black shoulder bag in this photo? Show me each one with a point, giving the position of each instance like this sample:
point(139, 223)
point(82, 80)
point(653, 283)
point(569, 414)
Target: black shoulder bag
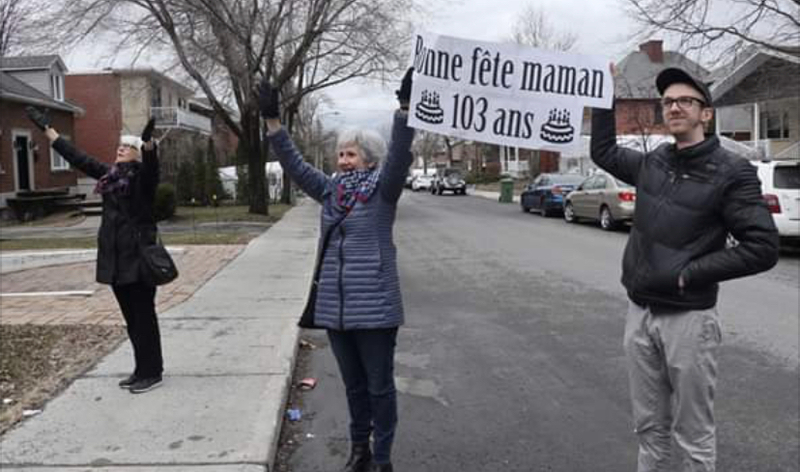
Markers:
point(157, 266)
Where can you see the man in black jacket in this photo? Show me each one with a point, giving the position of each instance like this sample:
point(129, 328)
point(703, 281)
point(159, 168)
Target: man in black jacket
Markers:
point(690, 196)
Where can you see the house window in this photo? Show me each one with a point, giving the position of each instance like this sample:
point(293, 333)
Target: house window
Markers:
point(774, 124)
point(57, 86)
point(57, 161)
point(155, 94)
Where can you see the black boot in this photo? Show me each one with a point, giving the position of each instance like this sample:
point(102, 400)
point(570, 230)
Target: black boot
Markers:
point(387, 467)
point(360, 458)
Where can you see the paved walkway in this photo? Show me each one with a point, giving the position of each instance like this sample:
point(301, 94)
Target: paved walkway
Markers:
point(196, 264)
point(229, 352)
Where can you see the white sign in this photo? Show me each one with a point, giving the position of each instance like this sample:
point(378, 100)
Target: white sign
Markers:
point(505, 94)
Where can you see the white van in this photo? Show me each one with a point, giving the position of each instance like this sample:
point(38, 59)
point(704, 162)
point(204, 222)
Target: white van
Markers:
point(780, 183)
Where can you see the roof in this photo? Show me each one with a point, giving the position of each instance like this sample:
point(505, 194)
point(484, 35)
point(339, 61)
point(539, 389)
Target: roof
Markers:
point(733, 73)
point(137, 72)
point(637, 73)
point(15, 90)
point(31, 62)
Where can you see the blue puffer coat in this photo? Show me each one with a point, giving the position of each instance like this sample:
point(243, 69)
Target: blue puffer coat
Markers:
point(358, 284)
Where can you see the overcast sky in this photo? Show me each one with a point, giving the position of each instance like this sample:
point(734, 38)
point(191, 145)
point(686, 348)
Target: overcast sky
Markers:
point(600, 25)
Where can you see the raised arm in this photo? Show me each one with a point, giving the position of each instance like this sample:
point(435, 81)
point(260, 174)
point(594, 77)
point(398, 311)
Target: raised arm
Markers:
point(310, 179)
point(77, 158)
point(399, 158)
point(150, 164)
point(621, 162)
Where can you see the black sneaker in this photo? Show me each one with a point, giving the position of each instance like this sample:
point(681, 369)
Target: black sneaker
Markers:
point(127, 382)
point(143, 385)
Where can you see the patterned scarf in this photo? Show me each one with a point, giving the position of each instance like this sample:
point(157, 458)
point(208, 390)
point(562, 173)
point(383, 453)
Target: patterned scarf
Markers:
point(355, 186)
point(117, 179)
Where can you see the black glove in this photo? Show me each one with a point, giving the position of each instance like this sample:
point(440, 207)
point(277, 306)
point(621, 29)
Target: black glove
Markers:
point(404, 94)
point(147, 134)
point(40, 119)
point(268, 101)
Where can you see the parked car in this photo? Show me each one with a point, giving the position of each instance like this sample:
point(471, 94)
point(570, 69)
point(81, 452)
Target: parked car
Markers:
point(780, 184)
point(422, 182)
point(449, 180)
point(602, 198)
point(546, 193)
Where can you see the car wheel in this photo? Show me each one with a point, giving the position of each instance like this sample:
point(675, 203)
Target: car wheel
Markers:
point(524, 208)
point(569, 213)
point(607, 221)
point(543, 209)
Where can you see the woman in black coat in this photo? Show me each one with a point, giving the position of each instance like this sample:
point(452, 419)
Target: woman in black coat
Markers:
point(128, 191)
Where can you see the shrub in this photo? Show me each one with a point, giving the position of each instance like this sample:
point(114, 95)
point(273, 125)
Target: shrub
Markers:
point(164, 206)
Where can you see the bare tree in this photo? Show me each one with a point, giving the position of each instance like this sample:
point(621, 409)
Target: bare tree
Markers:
point(227, 46)
point(533, 29)
point(722, 29)
point(427, 145)
point(14, 14)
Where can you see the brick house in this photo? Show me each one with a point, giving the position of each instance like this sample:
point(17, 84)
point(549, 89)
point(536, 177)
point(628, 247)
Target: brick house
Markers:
point(757, 101)
point(120, 101)
point(225, 140)
point(638, 103)
point(27, 162)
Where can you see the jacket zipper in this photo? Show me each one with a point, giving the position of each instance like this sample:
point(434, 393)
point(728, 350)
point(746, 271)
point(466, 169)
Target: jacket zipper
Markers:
point(341, 276)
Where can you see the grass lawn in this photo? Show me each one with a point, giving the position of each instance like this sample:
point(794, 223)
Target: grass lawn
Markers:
point(173, 239)
point(226, 213)
point(183, 216)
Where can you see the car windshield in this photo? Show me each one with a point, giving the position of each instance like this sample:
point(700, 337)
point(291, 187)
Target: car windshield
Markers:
point(452, 174)
point(787, 177)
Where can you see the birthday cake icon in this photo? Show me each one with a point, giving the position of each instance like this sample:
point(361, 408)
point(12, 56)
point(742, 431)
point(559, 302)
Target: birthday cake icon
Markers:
point(557, 129)
point(428, 109)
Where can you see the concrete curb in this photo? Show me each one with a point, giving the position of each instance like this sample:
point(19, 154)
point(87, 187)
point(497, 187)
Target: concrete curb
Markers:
point(230, 351)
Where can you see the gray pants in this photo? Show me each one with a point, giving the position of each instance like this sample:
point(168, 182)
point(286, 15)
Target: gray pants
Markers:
point(672, 369)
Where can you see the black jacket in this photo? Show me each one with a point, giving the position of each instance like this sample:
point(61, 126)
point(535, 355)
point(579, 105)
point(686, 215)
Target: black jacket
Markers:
point(125, 217)
point(687, 201)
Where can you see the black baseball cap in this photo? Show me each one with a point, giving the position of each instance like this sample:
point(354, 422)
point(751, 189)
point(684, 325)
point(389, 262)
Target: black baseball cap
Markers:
point(673, 75)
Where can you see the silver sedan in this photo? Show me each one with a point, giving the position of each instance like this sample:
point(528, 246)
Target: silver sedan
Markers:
point(602, 198)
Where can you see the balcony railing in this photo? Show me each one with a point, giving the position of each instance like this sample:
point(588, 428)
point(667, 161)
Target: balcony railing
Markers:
point(774, 148)
point(173, 117)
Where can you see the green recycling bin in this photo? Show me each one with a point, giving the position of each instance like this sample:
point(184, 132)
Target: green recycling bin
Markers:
point(506, 190)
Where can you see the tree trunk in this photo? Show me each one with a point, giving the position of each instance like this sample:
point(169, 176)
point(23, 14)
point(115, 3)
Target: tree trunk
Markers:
point(286, 193)
point(251, 140)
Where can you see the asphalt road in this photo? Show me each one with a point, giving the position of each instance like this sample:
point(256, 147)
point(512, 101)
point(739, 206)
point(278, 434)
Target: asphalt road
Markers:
point(511, 355)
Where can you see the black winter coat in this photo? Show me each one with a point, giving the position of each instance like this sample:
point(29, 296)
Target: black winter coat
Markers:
point(687, 201)
point(125, 217)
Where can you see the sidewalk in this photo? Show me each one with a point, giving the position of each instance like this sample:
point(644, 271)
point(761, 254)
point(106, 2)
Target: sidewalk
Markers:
point(229, 352)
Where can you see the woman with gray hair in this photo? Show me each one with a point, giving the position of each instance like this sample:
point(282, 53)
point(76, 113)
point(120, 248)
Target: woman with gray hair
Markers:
point(127, 189)
point(356, 291)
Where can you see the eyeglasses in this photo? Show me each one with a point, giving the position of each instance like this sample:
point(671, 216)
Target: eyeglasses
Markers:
point(683, 102)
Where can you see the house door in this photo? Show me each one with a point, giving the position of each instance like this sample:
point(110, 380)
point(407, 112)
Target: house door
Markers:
point(22, 160)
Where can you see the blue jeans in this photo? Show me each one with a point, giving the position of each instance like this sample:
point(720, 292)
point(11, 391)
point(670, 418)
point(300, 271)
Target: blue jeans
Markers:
point(366, 362)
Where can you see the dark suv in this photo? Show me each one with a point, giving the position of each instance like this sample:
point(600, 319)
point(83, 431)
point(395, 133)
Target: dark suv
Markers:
point(449, 180)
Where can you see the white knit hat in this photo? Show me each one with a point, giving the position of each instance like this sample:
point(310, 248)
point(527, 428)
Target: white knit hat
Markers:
point(132, 141)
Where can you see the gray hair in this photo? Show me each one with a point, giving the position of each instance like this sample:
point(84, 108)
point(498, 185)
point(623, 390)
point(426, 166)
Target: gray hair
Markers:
point(370, 144)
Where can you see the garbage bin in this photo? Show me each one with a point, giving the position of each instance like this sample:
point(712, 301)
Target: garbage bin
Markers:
point(506, 190)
